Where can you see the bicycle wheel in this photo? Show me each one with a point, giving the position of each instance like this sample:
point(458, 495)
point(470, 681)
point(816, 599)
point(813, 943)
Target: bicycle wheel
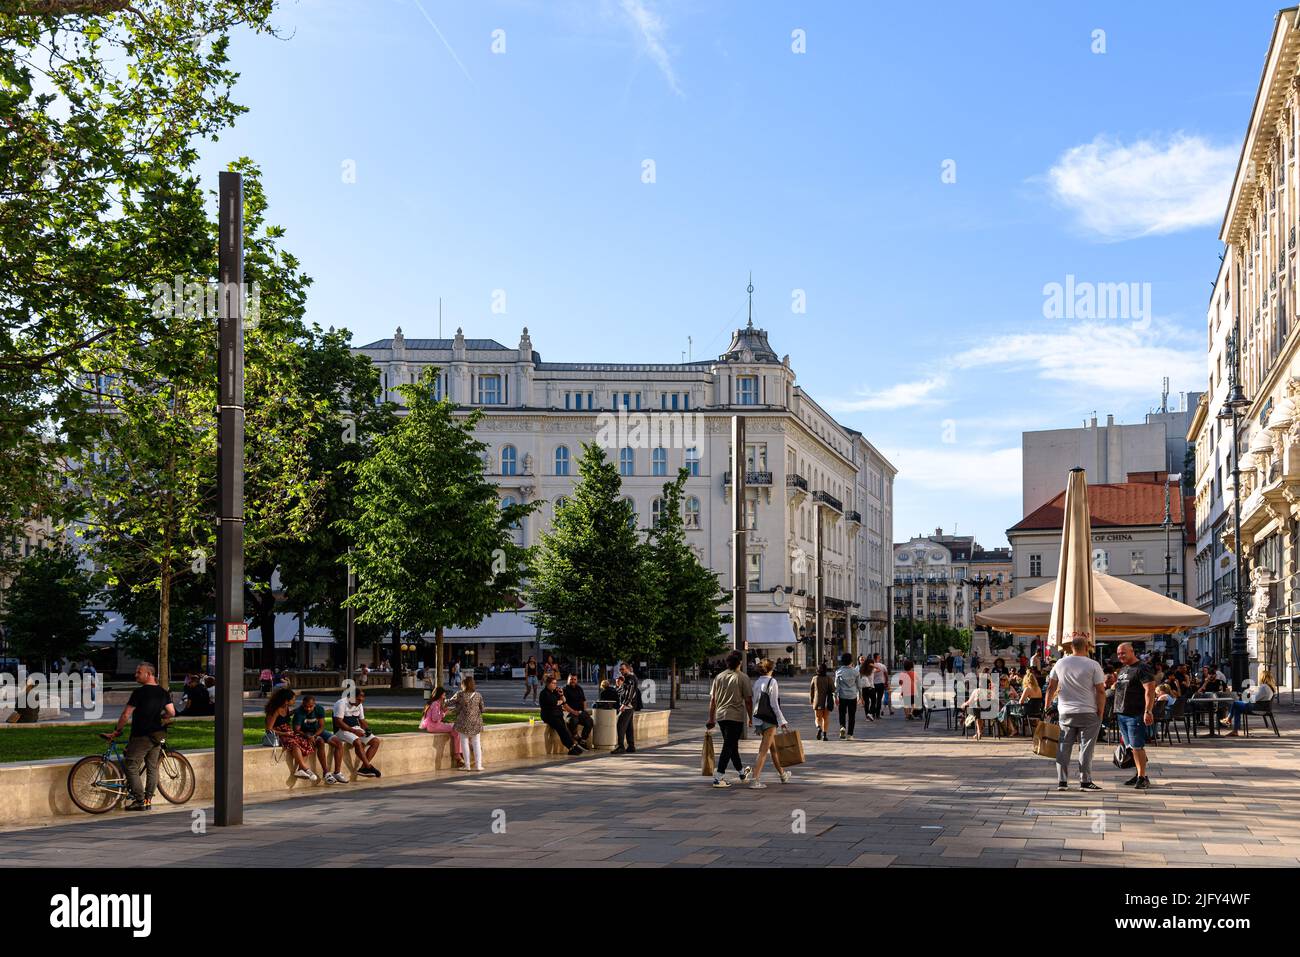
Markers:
point(96, 785)
point(175, 777)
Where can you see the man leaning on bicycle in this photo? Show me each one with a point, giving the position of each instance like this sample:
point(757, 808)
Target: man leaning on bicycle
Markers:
point(148, 709)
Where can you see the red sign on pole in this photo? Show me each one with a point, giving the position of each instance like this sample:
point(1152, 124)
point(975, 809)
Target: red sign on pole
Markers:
point(236, 631)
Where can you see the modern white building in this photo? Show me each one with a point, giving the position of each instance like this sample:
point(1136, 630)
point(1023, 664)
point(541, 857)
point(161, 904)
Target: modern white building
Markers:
point(803, 469)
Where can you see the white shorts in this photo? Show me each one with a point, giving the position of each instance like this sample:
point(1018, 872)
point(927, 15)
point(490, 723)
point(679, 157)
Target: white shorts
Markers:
point(350, 737)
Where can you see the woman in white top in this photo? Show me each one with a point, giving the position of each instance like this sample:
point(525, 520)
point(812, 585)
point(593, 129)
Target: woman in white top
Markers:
point(1264, 693)
point(767, 696)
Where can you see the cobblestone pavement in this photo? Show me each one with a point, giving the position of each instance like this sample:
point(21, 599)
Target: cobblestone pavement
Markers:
point(900, 795)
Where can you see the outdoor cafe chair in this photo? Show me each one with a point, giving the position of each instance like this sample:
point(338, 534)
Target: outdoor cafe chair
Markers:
point(1263, 711)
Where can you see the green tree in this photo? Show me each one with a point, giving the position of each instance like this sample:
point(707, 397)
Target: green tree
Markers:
point(688, 619)
point(592, 588)
point(97, 99)
point(45, 611)
point(431, 543)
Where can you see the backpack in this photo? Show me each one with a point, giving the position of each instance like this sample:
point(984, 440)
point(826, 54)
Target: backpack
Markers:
point(1123, 756)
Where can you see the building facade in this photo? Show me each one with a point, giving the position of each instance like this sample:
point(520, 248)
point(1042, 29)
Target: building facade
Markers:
point(1258, 300)
point(1107, 453)
point(819, 495)
point(935, 578)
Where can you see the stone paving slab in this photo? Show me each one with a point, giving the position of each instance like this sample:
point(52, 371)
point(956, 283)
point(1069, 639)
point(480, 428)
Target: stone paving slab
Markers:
point(898, 796)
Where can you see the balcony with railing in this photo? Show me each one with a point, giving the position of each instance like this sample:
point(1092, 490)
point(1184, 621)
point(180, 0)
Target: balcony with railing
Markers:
point(854, 517)
point(826, 498)
point(796, 481)
point(751, 478)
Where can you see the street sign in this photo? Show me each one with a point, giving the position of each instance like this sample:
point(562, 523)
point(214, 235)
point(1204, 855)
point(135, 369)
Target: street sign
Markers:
point(236, 631)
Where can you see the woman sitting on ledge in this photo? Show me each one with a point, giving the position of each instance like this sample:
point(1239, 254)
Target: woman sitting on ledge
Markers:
point(435, 721)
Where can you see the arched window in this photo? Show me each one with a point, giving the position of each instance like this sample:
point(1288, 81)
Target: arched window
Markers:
point(656, 512)
point(560, 502)
point(509, 502)
point(659, 462)
point(692, 519)
point(561, 460)
point(631, 511)
point(625, 462)
point(508, 460)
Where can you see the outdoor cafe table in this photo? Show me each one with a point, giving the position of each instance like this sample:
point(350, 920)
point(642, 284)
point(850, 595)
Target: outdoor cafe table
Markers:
point(1210, 705)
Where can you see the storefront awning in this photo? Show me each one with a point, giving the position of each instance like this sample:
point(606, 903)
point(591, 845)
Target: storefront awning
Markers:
point(1223, 614)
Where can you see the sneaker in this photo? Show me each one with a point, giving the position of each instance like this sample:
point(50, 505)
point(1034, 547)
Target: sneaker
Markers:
point(850, 738)
point(842, 734)
point(479, 768)
point(1131, 781)
point(305, 774)
point(757, 786)
point(631, 750)
point(785, 776)
point(376, 773)
point(819, 734)
point(329, 777)
point(720, 782)
point(745, 773)
point(137, 806)
point(1089, 786)
point(1062, 786)
point(1142, 784)
point(619, 751)
point(575, 751)
point(869, 717)
point(340, 777)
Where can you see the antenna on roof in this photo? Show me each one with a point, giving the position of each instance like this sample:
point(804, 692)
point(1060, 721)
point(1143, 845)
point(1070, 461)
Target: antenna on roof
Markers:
point(1164, 395)
point(689, 357)
point(750, 290)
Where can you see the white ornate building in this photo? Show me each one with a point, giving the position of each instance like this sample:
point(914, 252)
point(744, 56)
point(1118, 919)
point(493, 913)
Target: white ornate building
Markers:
point(802, 467)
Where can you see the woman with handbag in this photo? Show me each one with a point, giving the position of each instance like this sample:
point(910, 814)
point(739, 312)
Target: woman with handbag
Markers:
point(437, 719)
point(280, 732)
point(469, 722)
point(822, 693)
point(767, 718)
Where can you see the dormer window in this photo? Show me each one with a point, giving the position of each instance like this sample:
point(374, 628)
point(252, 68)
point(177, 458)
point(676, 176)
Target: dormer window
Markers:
point(747, 390)
point(489, 390)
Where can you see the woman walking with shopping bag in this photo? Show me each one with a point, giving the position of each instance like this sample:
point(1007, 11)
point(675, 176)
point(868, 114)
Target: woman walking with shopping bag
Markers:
point(767, 718)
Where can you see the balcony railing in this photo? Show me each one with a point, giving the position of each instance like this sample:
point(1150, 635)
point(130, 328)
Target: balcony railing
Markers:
point(796, 481)
point(751, 478)
point(1290, 243)
point(854, 517)
point(826, 498)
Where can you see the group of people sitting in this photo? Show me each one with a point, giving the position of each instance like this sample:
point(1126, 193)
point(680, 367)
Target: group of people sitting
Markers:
point(301, 732)
point(199, 696)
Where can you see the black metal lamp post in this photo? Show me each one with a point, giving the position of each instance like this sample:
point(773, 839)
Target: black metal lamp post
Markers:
point(1233, 406)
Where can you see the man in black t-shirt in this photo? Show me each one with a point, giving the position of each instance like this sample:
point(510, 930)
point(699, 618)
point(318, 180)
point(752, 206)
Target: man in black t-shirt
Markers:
point(575, 706)
point(550, 701)
point(1135, 701)
point(148, 709)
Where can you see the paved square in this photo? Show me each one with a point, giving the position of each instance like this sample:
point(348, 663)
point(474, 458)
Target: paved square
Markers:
point(898, 796)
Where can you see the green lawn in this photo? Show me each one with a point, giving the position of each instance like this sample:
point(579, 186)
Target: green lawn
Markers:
point(37, 742)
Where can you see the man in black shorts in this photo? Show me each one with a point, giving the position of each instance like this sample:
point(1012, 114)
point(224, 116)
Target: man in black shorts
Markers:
point(148, 709)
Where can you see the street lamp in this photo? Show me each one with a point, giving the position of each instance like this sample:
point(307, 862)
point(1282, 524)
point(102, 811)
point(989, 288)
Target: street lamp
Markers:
point(1233, 406)
point(1168, 523)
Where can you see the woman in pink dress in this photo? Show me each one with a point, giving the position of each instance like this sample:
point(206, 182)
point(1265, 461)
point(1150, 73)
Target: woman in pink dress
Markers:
point(434, 721)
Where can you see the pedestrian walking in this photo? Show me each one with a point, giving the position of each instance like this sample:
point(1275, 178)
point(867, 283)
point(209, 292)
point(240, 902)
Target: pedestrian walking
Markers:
point(767, 717)
point(848, 689)
point(731, 705)
point(1135, 701)
point(879, 685)
point(868, 689)
point(530, 679)
point(822, 694)
point(1077, 686)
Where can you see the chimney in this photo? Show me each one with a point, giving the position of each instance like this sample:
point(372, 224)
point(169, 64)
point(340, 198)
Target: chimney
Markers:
point(938, 533)
point(1110, 420)
point(1094, 421)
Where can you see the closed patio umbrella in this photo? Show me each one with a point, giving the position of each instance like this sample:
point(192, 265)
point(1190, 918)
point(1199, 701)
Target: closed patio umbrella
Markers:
point(1072, 597)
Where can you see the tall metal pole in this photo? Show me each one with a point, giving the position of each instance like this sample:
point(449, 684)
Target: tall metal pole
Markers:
point(1239, 659)
point(819, 602)
point(1167, 521)
point(350, 665)
point(232, 632)
point(739, 573)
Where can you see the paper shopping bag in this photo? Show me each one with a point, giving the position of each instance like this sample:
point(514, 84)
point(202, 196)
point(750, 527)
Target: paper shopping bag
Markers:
point(1046, 736)
point(788, 748)
point(706, 765)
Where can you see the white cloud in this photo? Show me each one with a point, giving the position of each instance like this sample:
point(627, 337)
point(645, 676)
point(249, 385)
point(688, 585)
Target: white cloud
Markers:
point(1150, 187)
point(974, 472)
point(1118, 360)
point(651, 29)
point(901, 396)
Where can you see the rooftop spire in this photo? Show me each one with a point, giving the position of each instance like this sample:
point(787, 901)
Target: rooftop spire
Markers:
point(750, 290)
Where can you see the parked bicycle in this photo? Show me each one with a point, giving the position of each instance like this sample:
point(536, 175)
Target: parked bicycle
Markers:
point(97, 783)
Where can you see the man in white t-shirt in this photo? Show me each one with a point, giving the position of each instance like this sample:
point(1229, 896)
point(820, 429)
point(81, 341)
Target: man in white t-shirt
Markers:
point(351, 727)
point(1078, 686)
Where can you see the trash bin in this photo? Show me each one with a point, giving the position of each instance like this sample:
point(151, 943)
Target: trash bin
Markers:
point(605, 733)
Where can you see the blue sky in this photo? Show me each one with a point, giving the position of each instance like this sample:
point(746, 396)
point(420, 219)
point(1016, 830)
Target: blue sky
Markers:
point(821, 171)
